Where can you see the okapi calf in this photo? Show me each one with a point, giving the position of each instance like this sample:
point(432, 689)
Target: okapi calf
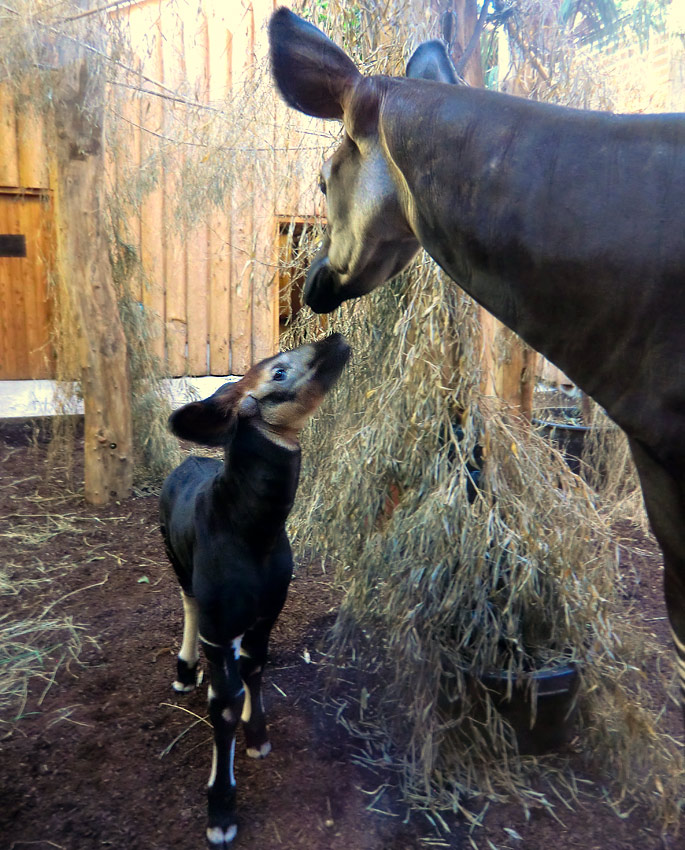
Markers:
point(224, 530)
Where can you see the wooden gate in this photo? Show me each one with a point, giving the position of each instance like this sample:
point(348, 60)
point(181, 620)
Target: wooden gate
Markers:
point(25, 310)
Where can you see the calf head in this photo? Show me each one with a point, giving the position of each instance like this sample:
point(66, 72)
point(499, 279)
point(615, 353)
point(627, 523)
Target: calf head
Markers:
point(369, 239)
point(277, 395)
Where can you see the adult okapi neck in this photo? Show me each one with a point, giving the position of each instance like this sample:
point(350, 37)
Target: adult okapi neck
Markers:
point(537, 211)
point(259, 481)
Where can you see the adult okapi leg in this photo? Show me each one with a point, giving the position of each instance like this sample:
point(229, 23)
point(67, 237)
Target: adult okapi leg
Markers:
point(664, 495)
point(187, 675)
point(253, 654)
point(226, 695)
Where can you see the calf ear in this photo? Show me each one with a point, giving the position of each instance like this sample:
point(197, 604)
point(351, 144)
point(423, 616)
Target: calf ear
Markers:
point(431, 62)
point(204, 422)
point(312, 74)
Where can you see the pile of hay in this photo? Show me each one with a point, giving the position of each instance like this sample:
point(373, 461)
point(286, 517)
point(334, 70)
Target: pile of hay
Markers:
point(464, 545)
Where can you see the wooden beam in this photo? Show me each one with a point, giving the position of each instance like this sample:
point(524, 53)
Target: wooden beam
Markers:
point(83, 264)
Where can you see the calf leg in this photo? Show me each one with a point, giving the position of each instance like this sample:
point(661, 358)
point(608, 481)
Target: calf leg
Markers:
point(663, 488)
point(253, 655)
point(226, 696)
point(187, 674)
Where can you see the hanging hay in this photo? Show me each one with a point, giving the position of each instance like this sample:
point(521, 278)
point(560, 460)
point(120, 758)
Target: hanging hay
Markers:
point(610, 471)
point(446, 579)
point(464, 544)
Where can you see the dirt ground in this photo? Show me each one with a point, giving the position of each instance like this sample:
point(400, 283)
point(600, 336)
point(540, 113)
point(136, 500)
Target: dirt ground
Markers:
point(109, 756)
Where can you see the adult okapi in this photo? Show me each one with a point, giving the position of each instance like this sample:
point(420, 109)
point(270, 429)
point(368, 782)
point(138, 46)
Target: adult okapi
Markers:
point(567, 225)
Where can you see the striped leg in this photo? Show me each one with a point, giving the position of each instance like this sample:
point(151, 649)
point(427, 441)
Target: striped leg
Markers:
point(252, 660)
point(187, 674)
point(226, 695)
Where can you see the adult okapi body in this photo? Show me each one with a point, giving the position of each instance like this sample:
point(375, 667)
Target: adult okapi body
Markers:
point(223, 526)
point(567, 225)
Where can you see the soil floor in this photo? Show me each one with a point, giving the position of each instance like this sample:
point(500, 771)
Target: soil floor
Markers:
point(106, 755)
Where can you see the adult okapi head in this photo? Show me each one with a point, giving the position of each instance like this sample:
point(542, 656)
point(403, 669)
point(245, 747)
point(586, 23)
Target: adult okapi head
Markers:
point(276, 396)
point(369, 239)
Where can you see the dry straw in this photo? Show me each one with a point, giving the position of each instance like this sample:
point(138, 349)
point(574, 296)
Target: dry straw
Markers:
point(440, 587)
point(442, 583)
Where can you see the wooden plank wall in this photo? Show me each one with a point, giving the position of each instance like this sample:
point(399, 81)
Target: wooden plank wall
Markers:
point(25, 210)
point(213, 284)
point(25, 309)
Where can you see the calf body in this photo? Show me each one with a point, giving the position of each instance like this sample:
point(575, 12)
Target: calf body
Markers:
point(223, 526)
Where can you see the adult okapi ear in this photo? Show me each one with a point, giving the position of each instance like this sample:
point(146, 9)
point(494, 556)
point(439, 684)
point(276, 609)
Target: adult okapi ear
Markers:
point(431, 62)
point(211, 422)
point(313, 75)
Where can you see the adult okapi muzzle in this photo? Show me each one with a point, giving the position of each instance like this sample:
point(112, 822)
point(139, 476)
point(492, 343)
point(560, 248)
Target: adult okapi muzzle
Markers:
point(568, 225)
point(223, 526)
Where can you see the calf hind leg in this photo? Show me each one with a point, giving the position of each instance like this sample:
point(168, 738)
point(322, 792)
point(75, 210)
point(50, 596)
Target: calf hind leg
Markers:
point(253, 655)
point(188, 676)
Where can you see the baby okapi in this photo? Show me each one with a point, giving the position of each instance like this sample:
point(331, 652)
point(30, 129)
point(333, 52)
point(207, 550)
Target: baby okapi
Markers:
point(224, 530)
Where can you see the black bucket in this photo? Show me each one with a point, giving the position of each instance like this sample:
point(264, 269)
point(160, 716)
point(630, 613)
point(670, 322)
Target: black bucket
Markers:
point(568, 438)
point(555, 710)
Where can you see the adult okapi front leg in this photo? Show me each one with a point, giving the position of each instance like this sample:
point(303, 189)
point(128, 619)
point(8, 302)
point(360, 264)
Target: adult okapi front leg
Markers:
point(664, 494)
point(567, 225)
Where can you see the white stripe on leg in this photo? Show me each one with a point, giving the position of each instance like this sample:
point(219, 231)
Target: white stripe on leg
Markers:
point(247, 706)
point(189, 648)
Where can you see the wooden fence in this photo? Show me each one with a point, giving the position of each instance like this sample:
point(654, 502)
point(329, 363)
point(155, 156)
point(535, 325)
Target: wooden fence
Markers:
point(213, 285)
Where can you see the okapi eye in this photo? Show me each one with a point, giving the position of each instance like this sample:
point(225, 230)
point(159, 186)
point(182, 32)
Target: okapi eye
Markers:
point(279, 375)
point(322, 185)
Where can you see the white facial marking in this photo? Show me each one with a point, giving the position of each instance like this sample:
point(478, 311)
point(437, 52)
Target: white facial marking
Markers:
point(216, 835)
point(189, 648)
point(227, 714)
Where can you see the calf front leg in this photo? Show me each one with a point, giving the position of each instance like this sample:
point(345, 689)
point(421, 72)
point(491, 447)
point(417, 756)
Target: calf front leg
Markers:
point(226, 697)
point(187, 674)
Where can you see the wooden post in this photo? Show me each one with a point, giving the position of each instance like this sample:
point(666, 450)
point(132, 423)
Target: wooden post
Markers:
point(83, 262)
